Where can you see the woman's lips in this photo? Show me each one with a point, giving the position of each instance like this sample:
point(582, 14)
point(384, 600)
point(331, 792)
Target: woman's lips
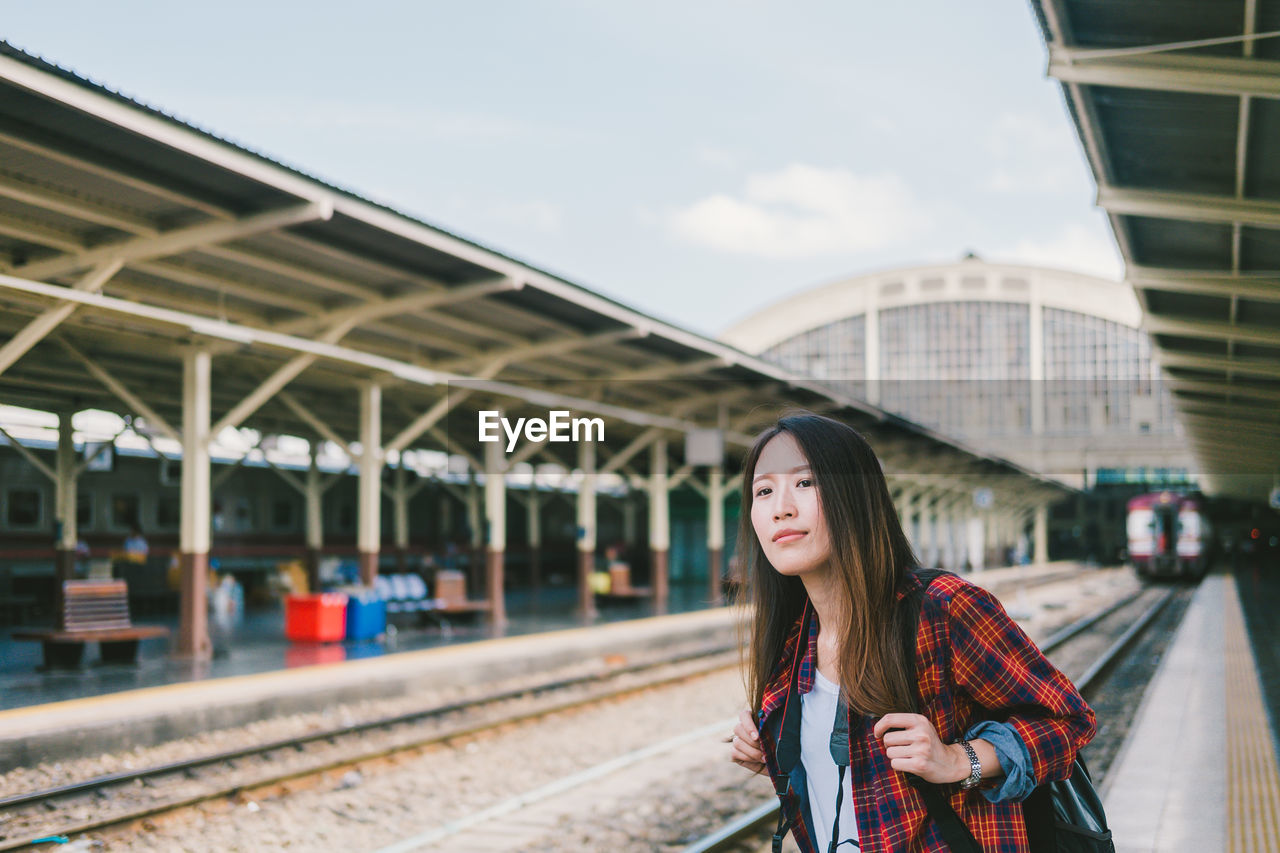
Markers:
point(788, 537)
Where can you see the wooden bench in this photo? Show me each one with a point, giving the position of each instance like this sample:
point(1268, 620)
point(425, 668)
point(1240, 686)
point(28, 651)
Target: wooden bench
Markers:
point(620, 587)
point(451, 594)
point(93, 611)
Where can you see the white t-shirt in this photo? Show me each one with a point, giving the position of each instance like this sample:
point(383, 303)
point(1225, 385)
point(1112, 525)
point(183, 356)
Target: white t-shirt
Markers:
point(817, 717)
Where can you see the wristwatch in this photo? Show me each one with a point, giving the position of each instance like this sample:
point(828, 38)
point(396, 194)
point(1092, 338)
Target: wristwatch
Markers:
point(975, 767)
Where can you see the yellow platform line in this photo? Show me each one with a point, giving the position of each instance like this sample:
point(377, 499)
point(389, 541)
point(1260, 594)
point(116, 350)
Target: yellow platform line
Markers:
point(1253, 780)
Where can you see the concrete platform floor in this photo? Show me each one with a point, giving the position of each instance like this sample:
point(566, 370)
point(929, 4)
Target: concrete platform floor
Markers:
point(257, 644)
point(1200, 771)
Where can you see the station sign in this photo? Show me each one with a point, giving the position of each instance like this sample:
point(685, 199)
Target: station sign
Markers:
point(99, 456)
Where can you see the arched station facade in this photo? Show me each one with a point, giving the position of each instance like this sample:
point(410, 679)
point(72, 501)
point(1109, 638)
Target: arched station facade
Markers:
point(1046, 367)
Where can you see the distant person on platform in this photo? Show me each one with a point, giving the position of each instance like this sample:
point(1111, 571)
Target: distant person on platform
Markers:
point(135, 547)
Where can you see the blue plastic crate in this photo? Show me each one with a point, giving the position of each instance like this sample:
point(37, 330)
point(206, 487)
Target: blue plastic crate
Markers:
point(366, 617)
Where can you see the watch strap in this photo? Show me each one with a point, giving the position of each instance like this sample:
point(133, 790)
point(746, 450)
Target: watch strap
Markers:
point(975, 767)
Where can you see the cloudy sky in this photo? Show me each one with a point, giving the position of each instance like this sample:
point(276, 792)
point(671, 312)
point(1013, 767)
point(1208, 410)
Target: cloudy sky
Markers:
point(697, 160)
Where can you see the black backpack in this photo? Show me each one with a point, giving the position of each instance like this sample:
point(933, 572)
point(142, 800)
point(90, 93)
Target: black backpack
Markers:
point(1061, 817)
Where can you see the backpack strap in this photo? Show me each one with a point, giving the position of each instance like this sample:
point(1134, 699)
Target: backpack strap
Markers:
point(958, 837)
point(789, 748)
point(953, 830)
point(787, 754)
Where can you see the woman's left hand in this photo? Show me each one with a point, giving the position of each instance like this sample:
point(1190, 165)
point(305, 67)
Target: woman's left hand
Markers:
point(913, 746)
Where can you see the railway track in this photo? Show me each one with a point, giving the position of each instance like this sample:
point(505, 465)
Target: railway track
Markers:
point(508, 821)
point(1116, 628)
point(267, 770)
point(31, 819)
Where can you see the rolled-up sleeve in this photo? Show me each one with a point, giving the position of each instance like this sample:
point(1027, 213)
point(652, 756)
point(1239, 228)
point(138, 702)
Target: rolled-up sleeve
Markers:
point(1018, 783)
point(1000, 669)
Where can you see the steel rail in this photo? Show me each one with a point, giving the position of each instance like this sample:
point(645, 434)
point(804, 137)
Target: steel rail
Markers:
point(1070, 632)
point(340, 731)
point(1094, 674)
point(747, 825)
point(96, 783)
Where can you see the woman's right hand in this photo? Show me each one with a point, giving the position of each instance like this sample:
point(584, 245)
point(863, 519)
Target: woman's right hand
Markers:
point(746, 750)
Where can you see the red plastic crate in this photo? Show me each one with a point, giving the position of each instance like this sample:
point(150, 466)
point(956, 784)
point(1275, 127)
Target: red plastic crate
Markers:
point(318, 618)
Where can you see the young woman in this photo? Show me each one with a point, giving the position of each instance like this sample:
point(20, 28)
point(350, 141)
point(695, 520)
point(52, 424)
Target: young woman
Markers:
point(827, 565)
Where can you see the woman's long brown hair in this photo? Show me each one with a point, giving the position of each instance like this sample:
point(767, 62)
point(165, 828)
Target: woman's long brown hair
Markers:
point(870, 556)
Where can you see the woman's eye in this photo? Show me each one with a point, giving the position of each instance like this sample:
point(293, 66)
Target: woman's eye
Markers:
point(762, 491)
point(805, 482)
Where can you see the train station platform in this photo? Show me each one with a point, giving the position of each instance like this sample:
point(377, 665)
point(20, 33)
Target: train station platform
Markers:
point(49, 714)
point(144, 717)
point(257, 644)
point(1200, 769)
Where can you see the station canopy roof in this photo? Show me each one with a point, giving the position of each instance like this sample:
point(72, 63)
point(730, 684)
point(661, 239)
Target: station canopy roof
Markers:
point(1177, 104)
point(128, 237)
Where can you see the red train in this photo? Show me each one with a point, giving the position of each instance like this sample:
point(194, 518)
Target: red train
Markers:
point(1170, 535)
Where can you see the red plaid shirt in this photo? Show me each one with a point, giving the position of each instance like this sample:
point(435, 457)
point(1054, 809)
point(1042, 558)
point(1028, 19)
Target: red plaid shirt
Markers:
point(972, 664)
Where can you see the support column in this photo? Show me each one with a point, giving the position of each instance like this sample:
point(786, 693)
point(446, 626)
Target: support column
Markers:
point(659, 525)
point(475, 533)
point(955, 535)
point(533, 524)
point(400, 508)
point(315, 517)
point(715, 534)
point(959, 547)
point(1040, 549)
point(65, 505)
point(64, 555)
point(1001, 537)
point(975, 535)
point(990, 550)
point(1026, 519)
point(193, 620)
point(929, 531)
point(495, 510)
point(444, 505)
point(369, 490)
point(586, 528)
point(946, 539)
point(920, 525)
point(906, 517)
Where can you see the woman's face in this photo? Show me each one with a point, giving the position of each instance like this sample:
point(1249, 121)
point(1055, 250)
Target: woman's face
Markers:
point(785, 511)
